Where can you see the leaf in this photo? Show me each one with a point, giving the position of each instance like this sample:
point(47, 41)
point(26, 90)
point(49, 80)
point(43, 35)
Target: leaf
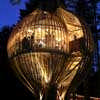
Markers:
point(15, 2)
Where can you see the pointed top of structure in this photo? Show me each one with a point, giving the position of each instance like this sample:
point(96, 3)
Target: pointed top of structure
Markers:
point(50, 5)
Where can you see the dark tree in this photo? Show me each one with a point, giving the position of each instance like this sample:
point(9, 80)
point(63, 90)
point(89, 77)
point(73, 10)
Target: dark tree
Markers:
point(15, 2)
point(87, 10)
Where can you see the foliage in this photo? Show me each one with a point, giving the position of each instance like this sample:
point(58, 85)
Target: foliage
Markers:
point(15, 2)
point(87, 10)
point(30, 6)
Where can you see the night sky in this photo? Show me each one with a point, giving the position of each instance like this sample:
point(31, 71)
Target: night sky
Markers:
point(9, 13)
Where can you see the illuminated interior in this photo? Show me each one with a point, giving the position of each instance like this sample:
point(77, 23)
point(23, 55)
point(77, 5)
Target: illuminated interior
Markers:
point(47, 48)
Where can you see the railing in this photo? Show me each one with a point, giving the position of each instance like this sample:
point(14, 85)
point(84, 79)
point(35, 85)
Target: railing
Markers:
point(81, 97)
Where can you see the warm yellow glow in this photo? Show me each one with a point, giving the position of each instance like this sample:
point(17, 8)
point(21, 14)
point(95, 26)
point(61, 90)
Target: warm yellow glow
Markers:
point(75, 63)
point(48, 49)
point(39, 29)
point(75, 31)
point(29, 30)
point(41, 96)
